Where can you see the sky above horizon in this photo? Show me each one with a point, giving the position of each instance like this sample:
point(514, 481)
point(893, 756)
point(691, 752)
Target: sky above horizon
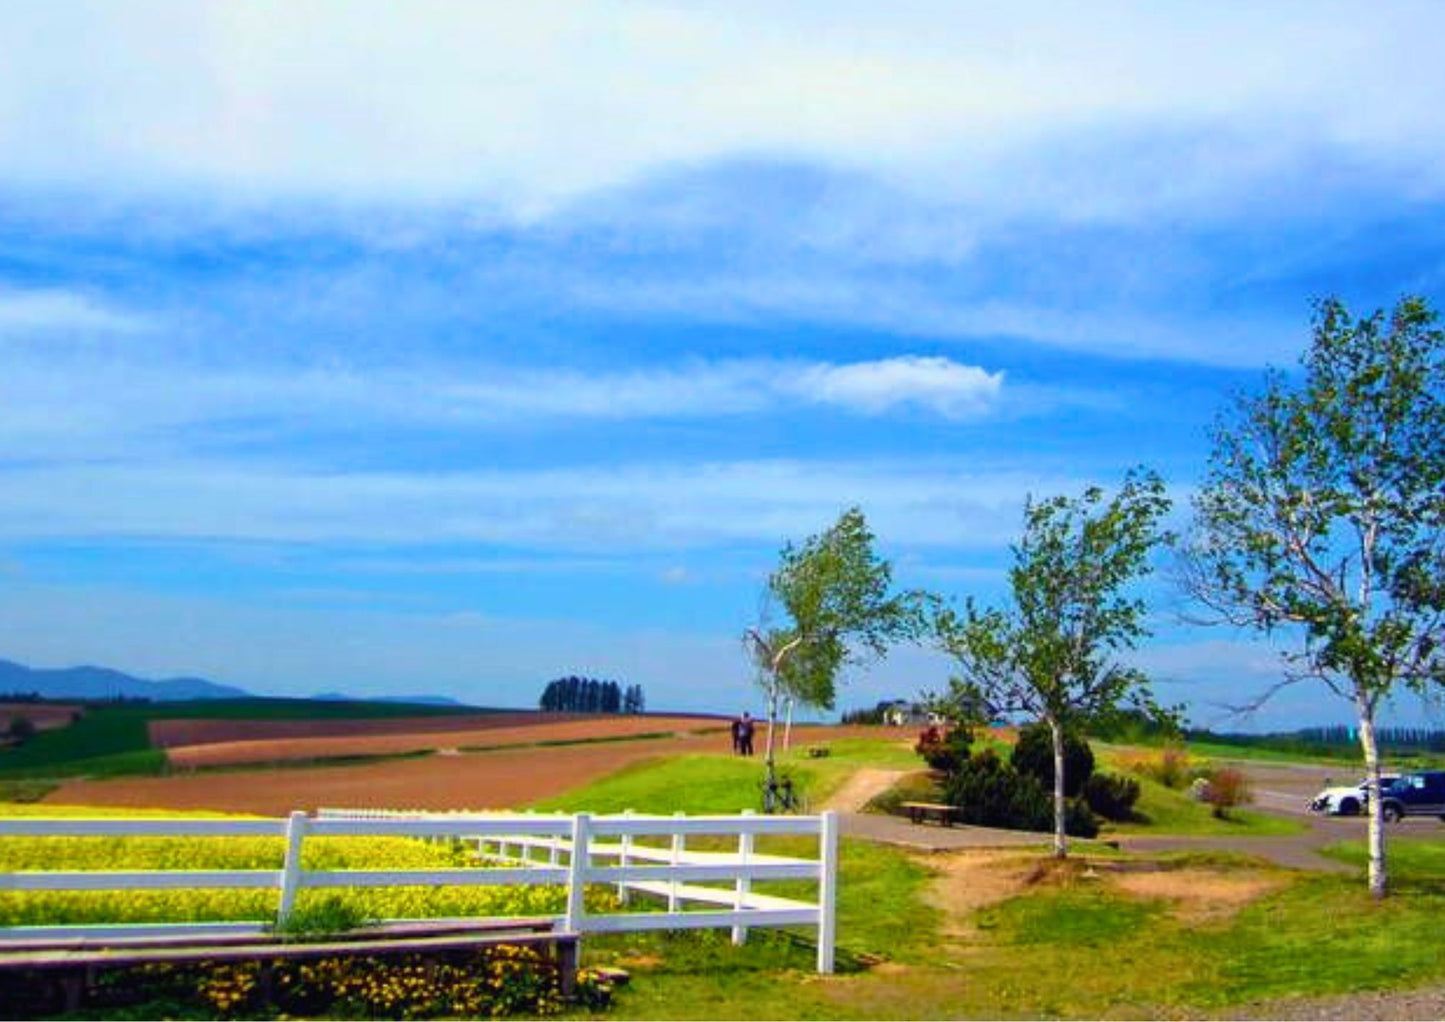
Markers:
point(438, 348)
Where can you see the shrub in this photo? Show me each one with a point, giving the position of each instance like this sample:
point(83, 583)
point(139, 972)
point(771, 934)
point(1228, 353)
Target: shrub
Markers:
point(987, 792)
point(945, 750)
point(1112, 796)
point(1033, 756)
point(1079, 820)
point(1170, 768)
point(1227, 788)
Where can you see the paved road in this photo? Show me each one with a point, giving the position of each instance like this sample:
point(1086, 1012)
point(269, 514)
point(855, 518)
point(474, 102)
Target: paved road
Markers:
point(934, 837)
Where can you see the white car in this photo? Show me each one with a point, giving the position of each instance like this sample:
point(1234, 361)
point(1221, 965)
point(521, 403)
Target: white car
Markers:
point(1349, 800)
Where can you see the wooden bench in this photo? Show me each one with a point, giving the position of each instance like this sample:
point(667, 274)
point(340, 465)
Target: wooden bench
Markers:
point(920, 812)
point(73, 964)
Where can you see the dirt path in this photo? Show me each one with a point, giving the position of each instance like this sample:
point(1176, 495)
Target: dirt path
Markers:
point(865, 785)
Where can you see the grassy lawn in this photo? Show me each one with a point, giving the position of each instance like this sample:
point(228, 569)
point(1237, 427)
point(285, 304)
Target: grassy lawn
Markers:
point(1080, 948)
point(1163, 810)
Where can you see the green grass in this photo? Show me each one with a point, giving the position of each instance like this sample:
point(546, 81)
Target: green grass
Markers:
point(693, 784)
point(1412, 861)
point(1163, 810)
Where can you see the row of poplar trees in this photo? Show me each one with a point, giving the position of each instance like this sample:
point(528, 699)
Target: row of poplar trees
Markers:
point(588, 695)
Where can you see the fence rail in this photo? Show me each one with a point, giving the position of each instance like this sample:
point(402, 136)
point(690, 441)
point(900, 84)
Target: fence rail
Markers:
point(570, 851)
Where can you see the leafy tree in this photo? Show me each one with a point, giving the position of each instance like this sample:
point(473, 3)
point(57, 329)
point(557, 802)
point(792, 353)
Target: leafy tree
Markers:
point(1050, 651)
point(1033, 754)
point(1322, 519)
point(836, 595)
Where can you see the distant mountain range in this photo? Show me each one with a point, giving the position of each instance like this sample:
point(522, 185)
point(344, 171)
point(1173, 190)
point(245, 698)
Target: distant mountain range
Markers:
point(104, 683)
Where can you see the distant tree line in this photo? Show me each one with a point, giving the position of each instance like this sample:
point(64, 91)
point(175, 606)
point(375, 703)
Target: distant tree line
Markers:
point(588, 695)
point(1332, 740)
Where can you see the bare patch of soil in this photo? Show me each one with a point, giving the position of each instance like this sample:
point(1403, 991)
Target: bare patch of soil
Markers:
point(1200, 896)
point(971, 880)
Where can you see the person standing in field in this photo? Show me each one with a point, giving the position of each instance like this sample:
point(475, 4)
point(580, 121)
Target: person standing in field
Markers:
point(745, 735)
point(737, 729)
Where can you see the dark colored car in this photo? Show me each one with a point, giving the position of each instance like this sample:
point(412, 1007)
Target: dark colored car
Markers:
point(1418, 794)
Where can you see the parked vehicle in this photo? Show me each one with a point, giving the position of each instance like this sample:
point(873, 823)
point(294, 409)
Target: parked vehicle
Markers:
point(1350, 799)
point(1417, 794)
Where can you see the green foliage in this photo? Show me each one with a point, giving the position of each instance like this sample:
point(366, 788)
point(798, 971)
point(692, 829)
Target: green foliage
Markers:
point(1033, 755)
point(1111, 796)
point(988, 792)
point(1051, 652)
point(944, 749)
point(328, 915)
point(1322, 518)
point(836, 593)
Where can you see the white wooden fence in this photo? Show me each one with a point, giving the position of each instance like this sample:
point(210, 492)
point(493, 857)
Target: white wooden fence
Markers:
point(533, 848)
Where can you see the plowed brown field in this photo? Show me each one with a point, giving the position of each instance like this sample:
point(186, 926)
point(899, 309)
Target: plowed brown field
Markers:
point(43, 715)
point(170, 734)
point(283, 740)
point(503, 779)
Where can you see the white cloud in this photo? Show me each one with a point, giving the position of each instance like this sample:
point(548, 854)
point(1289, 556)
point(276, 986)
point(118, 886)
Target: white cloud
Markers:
point(938, 384)
point(520, 105)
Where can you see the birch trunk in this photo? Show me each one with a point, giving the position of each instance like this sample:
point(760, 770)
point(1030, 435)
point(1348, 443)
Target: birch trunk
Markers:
point(1061, 844)
point(1379, 879)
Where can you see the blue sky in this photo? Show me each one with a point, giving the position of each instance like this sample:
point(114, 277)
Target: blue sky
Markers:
point(448, 348)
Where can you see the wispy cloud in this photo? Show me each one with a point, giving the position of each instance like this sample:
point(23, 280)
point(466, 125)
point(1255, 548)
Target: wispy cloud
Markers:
point(49, 311)
point(627, 507)
point(118, 406)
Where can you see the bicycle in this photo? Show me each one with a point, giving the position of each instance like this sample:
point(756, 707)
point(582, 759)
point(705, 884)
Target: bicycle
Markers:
point(780, 796)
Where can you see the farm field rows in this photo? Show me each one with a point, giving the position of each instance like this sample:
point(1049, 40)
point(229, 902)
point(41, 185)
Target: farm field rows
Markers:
point(504, 778)
point(45, 716)
point(278, 741)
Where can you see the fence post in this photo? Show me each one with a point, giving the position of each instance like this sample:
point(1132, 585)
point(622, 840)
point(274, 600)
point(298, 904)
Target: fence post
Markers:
point(291, 867)
point(624, 896)
point(745, 884)
point(827, 889)
point(577, 872)
point(679, 842)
